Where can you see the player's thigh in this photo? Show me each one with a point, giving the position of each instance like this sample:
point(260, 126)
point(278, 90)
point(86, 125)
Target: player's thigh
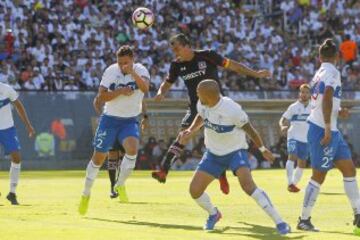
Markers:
point(131, 145)
point(199, 183)
point(343, 160)
point(291, 149)
point(346, 167)
point(129, 136)
point(212, 165)
point(321, 157)
point(245, 179)
point(105, 134)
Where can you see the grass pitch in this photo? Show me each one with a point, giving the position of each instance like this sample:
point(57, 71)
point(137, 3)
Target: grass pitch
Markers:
point(50, 199)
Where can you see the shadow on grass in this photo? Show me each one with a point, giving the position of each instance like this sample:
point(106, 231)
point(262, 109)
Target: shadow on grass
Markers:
point(250, 230)
point(144, 203)
point(332, 193)
point(256, 231)
point(149, 224)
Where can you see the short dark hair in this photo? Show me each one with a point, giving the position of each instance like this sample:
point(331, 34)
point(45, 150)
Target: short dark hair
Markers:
point(125, 50)
point(328, 49)
point(180, 38)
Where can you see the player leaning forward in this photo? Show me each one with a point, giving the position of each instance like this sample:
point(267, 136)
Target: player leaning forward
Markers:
point(8, 136)
point(327, 145)
point(122, 88)
point(225, 127)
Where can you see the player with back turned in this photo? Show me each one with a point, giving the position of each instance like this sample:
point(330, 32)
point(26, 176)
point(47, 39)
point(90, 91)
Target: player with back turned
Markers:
point(327, 146)
point(194, 66)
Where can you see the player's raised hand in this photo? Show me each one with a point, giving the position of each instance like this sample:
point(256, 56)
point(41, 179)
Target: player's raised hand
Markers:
point(127, 91)
point(267, 154)
point(344, 113)
point(264, 74)
point(159, 97)
point(31, 131)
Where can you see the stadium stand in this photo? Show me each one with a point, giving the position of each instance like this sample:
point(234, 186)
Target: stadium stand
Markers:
point(65, 45)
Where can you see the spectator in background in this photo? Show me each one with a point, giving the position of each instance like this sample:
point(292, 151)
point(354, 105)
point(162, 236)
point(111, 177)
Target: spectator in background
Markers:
point(55, 35)
point(348, 50)
point(9, 40)
point(26, 74)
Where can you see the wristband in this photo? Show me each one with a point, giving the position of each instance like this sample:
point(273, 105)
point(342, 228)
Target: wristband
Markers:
point(262, 149)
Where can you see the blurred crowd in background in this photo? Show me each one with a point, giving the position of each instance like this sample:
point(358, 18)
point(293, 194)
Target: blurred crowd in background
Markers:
point(55, 45)
point(152, 152)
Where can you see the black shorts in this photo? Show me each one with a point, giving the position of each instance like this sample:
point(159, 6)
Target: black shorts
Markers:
point(189, 118)
point(117, 147)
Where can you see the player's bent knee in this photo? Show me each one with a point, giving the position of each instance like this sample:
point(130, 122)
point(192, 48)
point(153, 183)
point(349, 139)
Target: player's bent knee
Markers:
point(132, 151)
point(15, 157)
point(248, 187)
point(98, 158)
point(301, 163)
point(195, 192)
point(292, 157)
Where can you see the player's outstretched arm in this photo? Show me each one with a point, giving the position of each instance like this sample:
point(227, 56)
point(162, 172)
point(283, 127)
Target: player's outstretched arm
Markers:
point(22, 113)
point(327, 105)
point(104, 95)
point(163, 90)
point(284, 125)
point(193, 129)
point(255, 137)
point(97, 105)
point(243, 69)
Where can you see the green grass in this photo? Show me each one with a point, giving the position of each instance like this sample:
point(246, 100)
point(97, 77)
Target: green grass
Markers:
point(50, 199)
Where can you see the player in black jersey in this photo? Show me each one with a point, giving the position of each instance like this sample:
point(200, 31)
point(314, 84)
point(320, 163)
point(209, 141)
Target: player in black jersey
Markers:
point(194, 66)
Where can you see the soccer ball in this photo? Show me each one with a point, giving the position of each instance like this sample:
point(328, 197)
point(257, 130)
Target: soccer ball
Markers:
point(143, 18)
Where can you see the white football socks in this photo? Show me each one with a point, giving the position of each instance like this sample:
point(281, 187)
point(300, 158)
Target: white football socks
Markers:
point(311, 194)
point(263, 201)
point(297, 175)
point(92, 171)
point(14, 176)
point(126, 167)
point(204, 202)
point(352, 192)
point(289, 171)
